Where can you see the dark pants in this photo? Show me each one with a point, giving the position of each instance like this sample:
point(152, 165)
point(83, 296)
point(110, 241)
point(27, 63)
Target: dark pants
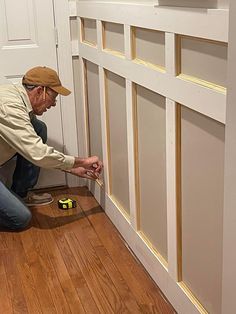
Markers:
point(26, 174)
point(14, 214)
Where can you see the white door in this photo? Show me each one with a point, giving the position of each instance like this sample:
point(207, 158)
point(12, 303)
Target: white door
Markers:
point(27, 39)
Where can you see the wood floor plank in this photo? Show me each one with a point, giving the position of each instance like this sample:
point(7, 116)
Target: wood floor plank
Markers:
point(14, 283)
point(5, 300)
point(96, 247)
point(73, 262)
point(97, 266)
point(39, 270)
point(73, 269)
point(112, 293)
point(28, 287)
point(151, 300)
point(145, 290)
point(13, 240)
point(23, 276)
point(115, 275)
point(77, 278)
point(65, 296)
point(3, 244)
point(89, 274)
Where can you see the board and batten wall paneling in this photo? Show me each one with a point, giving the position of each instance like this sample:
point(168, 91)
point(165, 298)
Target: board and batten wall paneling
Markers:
point(149, 46)
point(116, 113)
point(205, 60)
point(202, 55)
point(202, 147)
point(114, 37)
point(151, 133)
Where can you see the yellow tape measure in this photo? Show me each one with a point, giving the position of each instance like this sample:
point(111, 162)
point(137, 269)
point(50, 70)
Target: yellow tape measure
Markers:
point(66, 203)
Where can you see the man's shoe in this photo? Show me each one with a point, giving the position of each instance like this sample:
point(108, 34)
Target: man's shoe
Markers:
point(33, 199)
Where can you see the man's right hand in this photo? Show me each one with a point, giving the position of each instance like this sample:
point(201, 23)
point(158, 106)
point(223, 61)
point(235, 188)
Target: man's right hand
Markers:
point(85, 173)
point(92, 165)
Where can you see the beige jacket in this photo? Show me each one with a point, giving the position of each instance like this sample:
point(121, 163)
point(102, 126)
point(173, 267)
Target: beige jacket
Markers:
point(17, 133)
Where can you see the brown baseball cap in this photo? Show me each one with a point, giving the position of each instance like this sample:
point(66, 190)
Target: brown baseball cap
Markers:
point(44, 76)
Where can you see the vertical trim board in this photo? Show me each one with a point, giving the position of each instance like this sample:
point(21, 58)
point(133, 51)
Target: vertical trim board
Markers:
point(131, 152)
point(171, 172)
point(128, 38)
point(171, 54)
point(100, 35)
point(104, 131)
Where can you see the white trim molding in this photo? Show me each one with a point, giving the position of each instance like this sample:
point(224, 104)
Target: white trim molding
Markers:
point(64, 54)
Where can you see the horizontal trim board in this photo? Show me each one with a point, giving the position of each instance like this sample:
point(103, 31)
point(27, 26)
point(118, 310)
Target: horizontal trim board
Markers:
point(203, 23)
point(187, 93)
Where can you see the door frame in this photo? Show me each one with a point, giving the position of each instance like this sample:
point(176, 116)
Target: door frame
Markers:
point(65, 69)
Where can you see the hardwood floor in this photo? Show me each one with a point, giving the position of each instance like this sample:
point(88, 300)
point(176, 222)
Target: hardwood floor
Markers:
point(73, 261)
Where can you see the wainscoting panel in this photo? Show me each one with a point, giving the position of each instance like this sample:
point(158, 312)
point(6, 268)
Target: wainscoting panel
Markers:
point(202, 165)
point(158, 74)
point(117, 130)
point(151, 147)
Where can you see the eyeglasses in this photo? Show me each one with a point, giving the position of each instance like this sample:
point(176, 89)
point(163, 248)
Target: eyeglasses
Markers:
point(52, 97)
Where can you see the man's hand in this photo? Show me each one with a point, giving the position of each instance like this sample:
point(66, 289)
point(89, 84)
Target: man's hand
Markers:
point(97, 167)
point(89, 168)
point(85, 173)
point(89, 162)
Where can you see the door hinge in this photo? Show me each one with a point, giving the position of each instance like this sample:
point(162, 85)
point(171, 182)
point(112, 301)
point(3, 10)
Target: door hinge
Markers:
point(56, 36)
